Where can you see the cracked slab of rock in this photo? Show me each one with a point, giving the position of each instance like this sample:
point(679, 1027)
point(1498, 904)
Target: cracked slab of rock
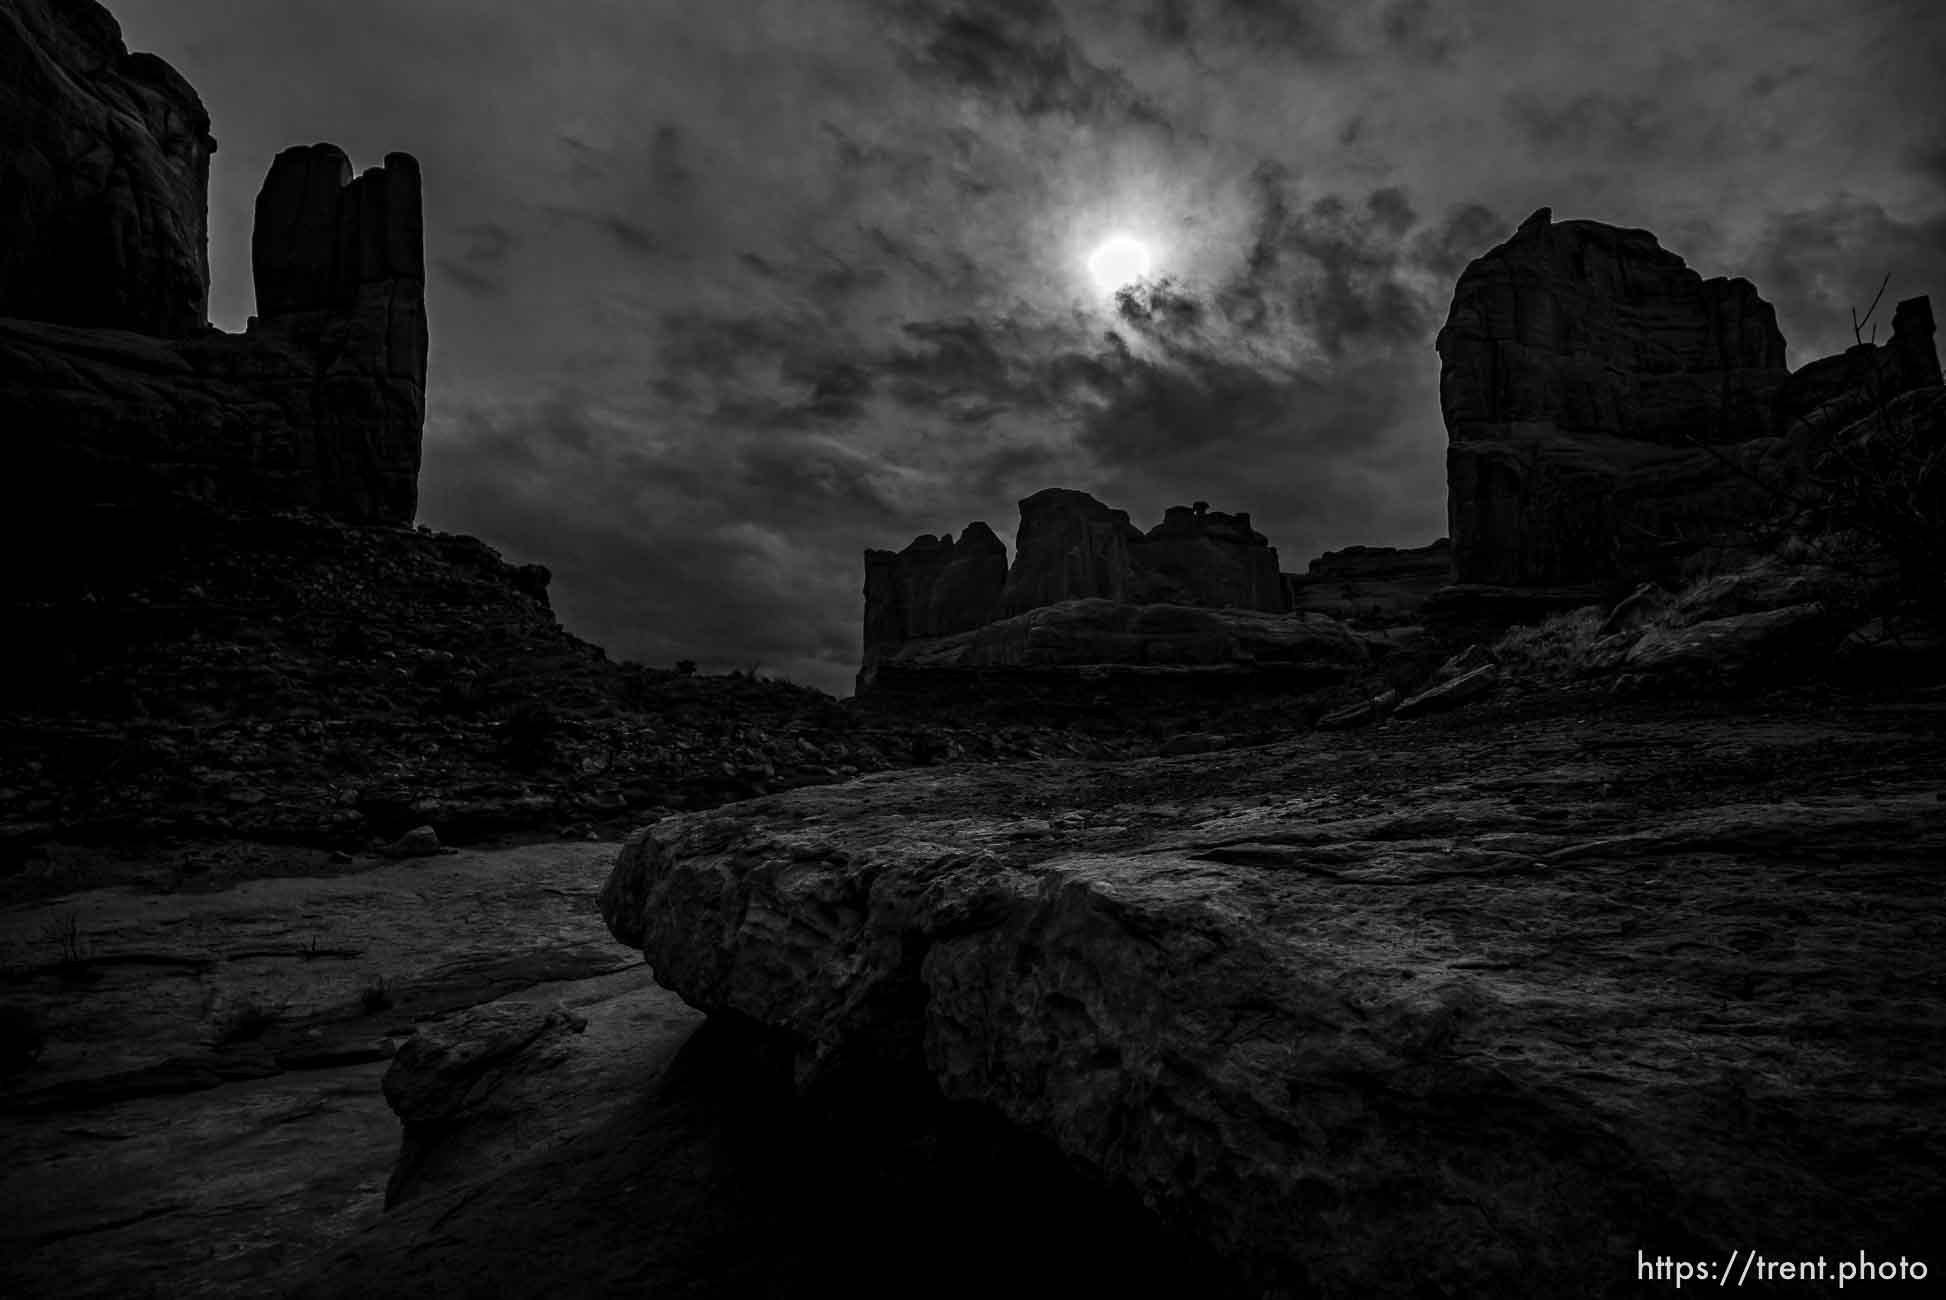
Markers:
point(1366, 1022)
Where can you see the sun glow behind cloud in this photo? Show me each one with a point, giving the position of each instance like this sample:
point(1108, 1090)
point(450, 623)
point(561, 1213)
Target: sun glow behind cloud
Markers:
point(1117, 261)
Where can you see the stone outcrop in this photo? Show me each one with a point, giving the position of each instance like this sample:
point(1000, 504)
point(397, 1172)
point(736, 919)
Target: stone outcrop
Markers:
point(1417, 1030)
point(1607, 407)
point(1383, 585)
point(117, 388)
point(104, 177)
point(934, 587)
point(1072, 547)
point(1086, 587)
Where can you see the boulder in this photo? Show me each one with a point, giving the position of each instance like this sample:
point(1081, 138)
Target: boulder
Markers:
point(419, 842)
point(104, 177)
point(1362, 714)
point(1736, 647)
point(1450, 692)
point(456, 1084)
point(1641, 607)
point(1393, 1037)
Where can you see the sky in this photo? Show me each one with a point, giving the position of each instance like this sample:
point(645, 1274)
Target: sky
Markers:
point(723, 293)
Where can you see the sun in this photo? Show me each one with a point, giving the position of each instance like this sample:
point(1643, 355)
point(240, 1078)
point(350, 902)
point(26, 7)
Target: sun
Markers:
point(1118, 260)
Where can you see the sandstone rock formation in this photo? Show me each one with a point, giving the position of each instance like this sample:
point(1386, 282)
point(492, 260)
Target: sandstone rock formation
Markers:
point(1384, 585)
point(934, 587)
point(104, 176)
point(1086, 587)
point(1374, 1018)
point(120, 391)
point(1584, 369)
point(1071, 547)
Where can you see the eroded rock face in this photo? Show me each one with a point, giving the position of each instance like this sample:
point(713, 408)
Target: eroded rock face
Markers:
point(1403, 1032)
point(319, 404)
point(1124, 596)
point(104, 177)
point(934, 587)
point(1072, 547)
point(1383, 585)
point(1069, 547)
point(1577, 362)
point(1609, 411)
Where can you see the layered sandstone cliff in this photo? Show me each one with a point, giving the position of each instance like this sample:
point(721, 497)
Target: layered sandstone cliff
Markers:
point(104, 177)
point(1609, 411)
point(1086, 587)
point(117, 387)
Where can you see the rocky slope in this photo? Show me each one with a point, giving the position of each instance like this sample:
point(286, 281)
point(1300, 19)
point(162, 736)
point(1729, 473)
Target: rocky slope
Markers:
point(235, 631)
point(301, 679)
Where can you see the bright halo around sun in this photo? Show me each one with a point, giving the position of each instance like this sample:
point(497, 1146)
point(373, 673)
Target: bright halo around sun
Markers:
point(1119, 260)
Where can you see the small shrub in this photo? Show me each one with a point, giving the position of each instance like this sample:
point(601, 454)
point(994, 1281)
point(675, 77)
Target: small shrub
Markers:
point(375, 996)
point(686, 667)
point(1549, 650)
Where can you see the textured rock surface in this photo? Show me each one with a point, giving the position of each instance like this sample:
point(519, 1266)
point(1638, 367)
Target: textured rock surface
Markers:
point(1737, 645)
point(320, 404)
point(457, 1086)
point(1580, 366)
point(1581, 327)
point(1372, 585)
point(934, 587)
point(104, 176)
point(1485, 1014)
point(1099, 637)
point(1071, 548)
point(1450, 693)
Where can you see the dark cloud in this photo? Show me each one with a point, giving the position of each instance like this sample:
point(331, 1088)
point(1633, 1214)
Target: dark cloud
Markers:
point(1422, 30)
point(480, 268)
point(669, 170)
point(1817, 264)
point(633, 238)
point(1465, 232)
point(767, 283)
point(1771, 80)
point(1019, 54)
point(1598, 122)
point(1330, 269)
point(1303, 28)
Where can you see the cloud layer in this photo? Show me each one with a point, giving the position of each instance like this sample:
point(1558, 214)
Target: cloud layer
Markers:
point(724, 294)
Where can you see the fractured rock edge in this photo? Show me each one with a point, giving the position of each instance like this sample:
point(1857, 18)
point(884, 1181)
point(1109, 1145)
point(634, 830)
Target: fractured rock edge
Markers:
point(1184, 1021)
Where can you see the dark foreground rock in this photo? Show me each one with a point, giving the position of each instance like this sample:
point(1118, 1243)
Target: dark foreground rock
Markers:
point(1485, 1013)
point(104, 176)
